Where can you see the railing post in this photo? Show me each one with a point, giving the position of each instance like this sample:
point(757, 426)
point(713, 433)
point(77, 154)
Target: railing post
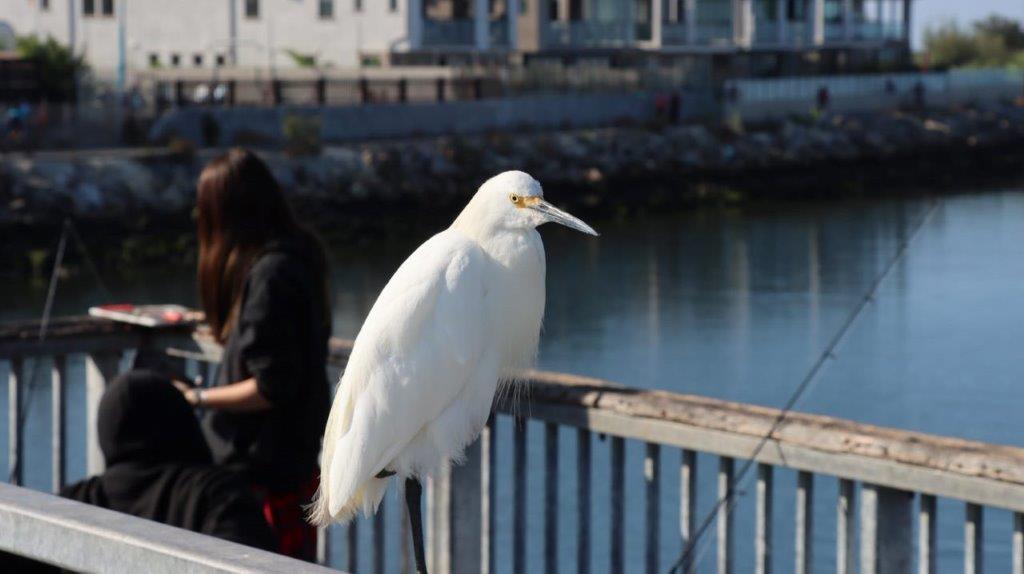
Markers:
point(519, 496)
point(763, 527)
point(583, 501)
point(321, 92)
point(58, 414)
point(440, 89)
point(726, 467)
point(403, 90)
point(617, 528)
point(1017, 554)
point(652, 476)
point(277, 91)
point(974, 537)
point(179, 93)
point(687, 503)
point(364, 91)
point(232, 92)
point(15, 438)
point(455, 516)
point(926, 541)
point(352, 540)
point(551, 498)
point(886, 530)
point(804, 522)
point(379, 526)
point(845, 523)
point(100, 370)
point(488, 490)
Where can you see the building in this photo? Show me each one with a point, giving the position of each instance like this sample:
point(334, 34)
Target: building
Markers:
point(746, 37)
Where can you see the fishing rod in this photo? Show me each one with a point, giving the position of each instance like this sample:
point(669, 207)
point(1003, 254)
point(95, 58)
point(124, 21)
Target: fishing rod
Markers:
point(729, 499)
point(44, 323)
point(68, 230)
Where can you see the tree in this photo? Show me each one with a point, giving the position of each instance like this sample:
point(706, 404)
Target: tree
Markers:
point(58, 66)
point(948, 45)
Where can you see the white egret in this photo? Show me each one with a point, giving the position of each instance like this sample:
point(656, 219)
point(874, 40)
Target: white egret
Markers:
point(460, 315)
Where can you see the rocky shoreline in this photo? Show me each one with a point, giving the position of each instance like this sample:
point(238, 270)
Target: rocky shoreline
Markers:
point(137, 206)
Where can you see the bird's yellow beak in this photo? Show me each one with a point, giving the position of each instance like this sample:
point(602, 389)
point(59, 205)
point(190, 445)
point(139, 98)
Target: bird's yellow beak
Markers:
point(551, 213)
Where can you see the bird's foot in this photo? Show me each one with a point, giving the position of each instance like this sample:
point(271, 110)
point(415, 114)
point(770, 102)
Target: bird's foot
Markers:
point(385, 473)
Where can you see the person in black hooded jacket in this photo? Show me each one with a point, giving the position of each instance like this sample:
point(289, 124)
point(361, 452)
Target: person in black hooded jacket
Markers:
point(159, 466)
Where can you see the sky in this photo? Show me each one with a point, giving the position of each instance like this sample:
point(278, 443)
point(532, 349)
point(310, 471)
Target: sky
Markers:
point(933, 12)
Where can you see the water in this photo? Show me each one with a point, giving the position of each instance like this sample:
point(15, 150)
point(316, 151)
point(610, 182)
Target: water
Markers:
point(737, 305)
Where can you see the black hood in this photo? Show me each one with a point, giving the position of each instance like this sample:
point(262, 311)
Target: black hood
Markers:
point(146, 420)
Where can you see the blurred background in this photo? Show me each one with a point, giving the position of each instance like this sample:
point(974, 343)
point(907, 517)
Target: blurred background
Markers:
point(751, 165)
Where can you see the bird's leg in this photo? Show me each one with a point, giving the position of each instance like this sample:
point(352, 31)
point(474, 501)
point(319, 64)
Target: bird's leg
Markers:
point(413, 493)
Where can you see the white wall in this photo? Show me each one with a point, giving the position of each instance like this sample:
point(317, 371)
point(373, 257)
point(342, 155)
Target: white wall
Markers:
point(190, 27)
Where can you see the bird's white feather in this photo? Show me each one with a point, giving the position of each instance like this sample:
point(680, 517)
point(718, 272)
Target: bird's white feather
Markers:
point(420, 346)
point(461, 315)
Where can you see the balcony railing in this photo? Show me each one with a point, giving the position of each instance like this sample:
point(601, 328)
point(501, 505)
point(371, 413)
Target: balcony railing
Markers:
point(448, 33)
point(588, 33)
point(535, 455)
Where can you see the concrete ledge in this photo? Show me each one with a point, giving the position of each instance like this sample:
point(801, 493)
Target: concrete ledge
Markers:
point(86, 538)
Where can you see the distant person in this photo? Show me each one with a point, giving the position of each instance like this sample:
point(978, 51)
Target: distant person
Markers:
point(159, 466)
point(263, 286)
point(823, 98)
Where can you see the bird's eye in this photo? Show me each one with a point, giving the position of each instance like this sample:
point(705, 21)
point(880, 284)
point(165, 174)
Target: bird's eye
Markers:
point(514, 198)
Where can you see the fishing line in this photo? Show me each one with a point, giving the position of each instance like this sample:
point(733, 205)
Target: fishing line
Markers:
point(51, 293)
point(728, 500)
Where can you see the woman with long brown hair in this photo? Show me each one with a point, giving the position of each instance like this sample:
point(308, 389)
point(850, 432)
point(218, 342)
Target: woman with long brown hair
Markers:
point(262, 282)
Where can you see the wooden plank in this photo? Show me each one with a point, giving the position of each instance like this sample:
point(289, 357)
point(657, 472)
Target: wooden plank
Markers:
point(519, 497)
point(58, 418)
point(926, 541)
point(652, 504)
point(100, 370)
point(864, 469)
point(804, 523)
point(726, 470)
point(617, 540)
point(583, 467)
point(846, 522)
point(815, 432)
point(551, 498)
point(974, 539)
point(15, 438)
point(763, 520)
point(1017, 553)
point(687, 503)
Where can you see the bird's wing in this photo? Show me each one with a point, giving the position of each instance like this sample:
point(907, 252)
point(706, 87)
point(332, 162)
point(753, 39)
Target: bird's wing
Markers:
point(421, 343)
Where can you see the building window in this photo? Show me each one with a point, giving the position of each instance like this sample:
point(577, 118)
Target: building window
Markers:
point(326, 9)
point(108, 7)
point(252, 8)
point(175, 60)
point(88, 7)
point(154, 60)
point(44, 5)
point(359, 5)
point(393, 5)
point(220, 60)
point(197, 60)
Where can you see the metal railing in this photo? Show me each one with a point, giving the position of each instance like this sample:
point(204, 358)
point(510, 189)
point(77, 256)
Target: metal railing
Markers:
point(888, 479)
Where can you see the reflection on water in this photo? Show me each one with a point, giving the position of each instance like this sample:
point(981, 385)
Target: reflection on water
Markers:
point(738, 305)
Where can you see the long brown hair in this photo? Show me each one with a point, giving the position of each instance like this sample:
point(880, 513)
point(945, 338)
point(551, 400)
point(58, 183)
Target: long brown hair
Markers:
point(240, 210)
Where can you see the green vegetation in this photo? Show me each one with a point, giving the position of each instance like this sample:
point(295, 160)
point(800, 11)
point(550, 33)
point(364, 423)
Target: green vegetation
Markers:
point(58, 66)
point(301, 134)
point(993, 42)
point(302, 60)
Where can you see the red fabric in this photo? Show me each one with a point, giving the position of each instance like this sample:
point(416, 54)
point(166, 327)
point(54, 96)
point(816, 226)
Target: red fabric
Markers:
point(286, 516)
